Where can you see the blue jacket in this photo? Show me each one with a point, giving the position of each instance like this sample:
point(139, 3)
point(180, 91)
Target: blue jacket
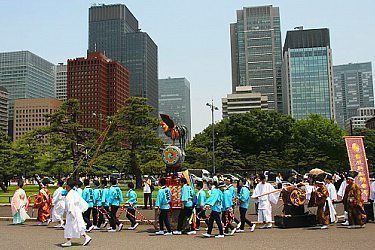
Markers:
point(244, 197)
point(132, 197)
point(215, 200)
point(163, 198)
point(227, 200)
point(232, 191)
point(98, 195)
point(115, 196)
point(201, 198)
point(105, 197)
point(187, 195)
point(88, 196)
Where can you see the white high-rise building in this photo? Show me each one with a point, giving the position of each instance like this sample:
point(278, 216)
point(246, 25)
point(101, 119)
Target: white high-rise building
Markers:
point(61, 79)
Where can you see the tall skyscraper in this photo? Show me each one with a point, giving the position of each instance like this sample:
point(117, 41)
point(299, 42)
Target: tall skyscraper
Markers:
point(4, 107)
point(101, 86)
point(307, 74)
point(174, 100)
point(353, 89)
point(113, 30)
point(29, 114)
point(25, 75)
point(242, 101)
point(256, 52)
point(61, 78)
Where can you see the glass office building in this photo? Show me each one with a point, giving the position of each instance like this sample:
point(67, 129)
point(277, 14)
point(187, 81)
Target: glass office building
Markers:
point(307, 74)
point(256, 52)
point(25, 75)
point(353, 89)
point(174, 100)
point(114, 31)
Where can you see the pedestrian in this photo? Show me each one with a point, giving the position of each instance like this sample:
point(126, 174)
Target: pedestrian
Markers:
point(75, 206)
point(227, 210)
point(244, 200)
point(279, 181)
point(19, 204)
point(43, 202)
point(97, 216)
point(88, 196)
point(353, 202)
point(115, 199)
point(214, 202)
point(200, 204)
point(132, 201)
point(187, 196)
point(332, 196)
point(105, 205)
point(265, 195)
point(147, 192)
point(232, 191)
point(163, 200)
point(321, 193)
point(58, 204)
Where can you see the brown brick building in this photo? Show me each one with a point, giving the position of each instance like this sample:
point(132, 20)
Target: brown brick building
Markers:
point(100, 84)
point(29, 114)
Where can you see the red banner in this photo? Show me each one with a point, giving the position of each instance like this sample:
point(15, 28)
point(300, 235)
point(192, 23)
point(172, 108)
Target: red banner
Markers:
point(358, 162)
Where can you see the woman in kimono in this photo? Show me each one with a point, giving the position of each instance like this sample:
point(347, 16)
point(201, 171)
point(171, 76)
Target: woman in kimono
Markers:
point(19, 205)
point(58, 203)
point(74, 207)
point(43, 203)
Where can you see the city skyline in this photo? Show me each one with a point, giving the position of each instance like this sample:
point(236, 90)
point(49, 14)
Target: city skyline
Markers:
point(60, 31)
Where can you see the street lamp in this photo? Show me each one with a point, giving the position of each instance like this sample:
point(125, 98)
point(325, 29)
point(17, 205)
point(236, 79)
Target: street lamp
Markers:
point(213, 108)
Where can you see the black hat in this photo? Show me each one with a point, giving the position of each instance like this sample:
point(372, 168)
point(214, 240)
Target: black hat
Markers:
point(320, 178)
point(329, 176)
point(221, 184)
point(352, 174)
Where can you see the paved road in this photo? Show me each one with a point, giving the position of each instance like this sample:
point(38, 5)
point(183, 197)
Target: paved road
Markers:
point(29, 236)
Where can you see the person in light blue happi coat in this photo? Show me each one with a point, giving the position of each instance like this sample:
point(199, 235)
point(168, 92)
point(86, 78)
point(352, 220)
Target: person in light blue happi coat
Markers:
point(132, 201)
point(244, 200)
point(227, 210)
point(214, 202)
point(115, 199)
point(201, 202)
point(88, 196)
point(162, 203)
point(98, 194)
point(187, 196)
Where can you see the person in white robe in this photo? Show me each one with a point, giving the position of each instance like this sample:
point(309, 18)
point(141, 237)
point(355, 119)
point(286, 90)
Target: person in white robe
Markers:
point(265, 194)
point(74, 207)
point(58, 203)
point(341, 194)
point(332, 197)
point(19, 205)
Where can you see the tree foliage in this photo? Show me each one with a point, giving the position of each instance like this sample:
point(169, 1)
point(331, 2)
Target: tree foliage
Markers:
point(261, 140)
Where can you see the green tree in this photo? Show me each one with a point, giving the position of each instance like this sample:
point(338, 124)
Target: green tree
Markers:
point(135, 131)
point(6, 158)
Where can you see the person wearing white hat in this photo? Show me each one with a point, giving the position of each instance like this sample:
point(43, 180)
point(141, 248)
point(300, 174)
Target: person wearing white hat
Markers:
point(353, 202)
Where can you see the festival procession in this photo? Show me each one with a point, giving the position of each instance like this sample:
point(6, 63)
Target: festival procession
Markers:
point(217, 208)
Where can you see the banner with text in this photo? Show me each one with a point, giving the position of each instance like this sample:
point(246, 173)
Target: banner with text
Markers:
point(358, 162)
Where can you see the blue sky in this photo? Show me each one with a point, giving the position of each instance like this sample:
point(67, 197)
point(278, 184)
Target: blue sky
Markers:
point(192, 36)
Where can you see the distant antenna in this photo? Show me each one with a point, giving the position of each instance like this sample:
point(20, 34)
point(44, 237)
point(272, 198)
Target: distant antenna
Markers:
point(298, 28)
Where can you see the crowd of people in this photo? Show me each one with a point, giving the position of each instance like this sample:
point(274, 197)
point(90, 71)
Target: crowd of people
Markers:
point(88, 208)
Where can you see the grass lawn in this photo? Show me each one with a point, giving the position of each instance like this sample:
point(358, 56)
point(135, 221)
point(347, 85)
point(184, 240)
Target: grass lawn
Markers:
point(31, 190)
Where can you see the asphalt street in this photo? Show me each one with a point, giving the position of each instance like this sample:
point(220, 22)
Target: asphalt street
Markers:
point(30, 236)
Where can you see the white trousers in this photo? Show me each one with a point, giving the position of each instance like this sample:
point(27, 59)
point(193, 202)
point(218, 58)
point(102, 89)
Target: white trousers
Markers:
point(264, 215)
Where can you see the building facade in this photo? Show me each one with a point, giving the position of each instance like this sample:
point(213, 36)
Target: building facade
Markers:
point(353, 89)
point(61, 78)
point(242, 101)
point(101, 86)
point(29, 114)
point(25, 75)
point(174, 100)
point(114, 31)
point(308, 74)
point(256, 52)
point(4, 106)
point(363, 115)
